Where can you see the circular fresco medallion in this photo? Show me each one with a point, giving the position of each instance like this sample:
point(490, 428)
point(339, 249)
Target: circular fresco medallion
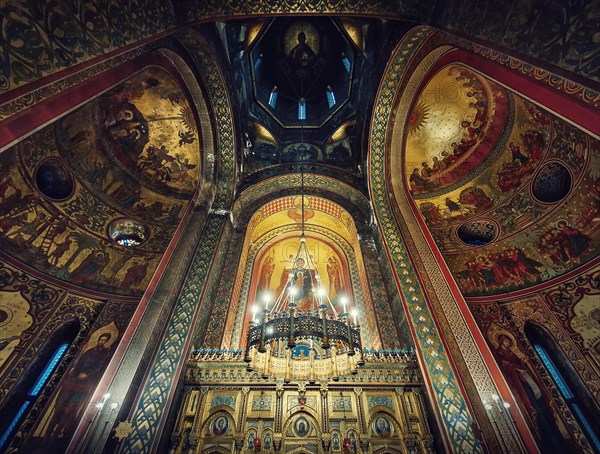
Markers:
point(127, 232)
point(53, 179)
point(478, 232)
point(552, 183)
point(220, 425)
point(382, 427)
point(301, 427)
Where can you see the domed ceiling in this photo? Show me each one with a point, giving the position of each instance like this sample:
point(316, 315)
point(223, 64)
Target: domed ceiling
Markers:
point(303, 85)
point(94, 199)
point(509, 192)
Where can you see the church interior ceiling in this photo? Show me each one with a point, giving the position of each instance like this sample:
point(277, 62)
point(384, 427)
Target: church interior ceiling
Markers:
point(94, 198)
point(321, 63)
point(508, 190)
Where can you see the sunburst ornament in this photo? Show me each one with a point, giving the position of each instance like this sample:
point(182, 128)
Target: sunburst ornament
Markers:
point(418, 117)
point(123, 430)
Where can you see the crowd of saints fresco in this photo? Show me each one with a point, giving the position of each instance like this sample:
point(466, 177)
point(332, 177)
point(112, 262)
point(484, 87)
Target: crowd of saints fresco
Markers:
point(129, 159)
point(530, 208)
point(570, 316)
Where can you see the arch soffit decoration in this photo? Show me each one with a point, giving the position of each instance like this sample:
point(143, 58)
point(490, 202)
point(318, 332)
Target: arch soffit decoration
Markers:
point(224, 157)
point(352, 200)
point(394, 206)
point(198, 97)
point(339, 242)
point(441, 379)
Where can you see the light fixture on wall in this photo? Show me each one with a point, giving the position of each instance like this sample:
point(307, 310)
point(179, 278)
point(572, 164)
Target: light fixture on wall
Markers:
point(309, 344)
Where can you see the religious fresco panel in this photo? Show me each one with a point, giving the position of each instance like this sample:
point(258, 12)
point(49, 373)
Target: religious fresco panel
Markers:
point(58, 420)
point(33, 316)
point(95, 198)
point(529, 210)
point(25, 304)
point(42, 38)
point(569, 314)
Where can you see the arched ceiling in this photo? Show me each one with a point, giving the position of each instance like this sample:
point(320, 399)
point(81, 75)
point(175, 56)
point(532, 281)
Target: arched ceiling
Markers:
point(79, 195)
point(507, 190)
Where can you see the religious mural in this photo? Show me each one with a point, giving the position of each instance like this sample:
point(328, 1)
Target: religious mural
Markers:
point(528, 212)
point(455, 112)
point(279, 260)
point(568, 311)
point(35, 314)
point(59, 419)
point(25, 304)
point(14, 319)
point(132, 155)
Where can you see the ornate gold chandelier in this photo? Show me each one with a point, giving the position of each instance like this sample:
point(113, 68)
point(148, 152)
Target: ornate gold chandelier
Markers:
point(303, 345)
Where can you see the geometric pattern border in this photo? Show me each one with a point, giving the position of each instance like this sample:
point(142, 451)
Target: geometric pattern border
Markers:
point(450, 401)
point(150, 409)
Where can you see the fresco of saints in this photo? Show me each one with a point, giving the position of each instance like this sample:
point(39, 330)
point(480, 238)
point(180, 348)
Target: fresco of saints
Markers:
point(335, 277)
point(532, 394)
point(75, 388)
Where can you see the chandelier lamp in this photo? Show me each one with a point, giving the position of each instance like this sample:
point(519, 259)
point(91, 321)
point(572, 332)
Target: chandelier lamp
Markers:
point(316, 343)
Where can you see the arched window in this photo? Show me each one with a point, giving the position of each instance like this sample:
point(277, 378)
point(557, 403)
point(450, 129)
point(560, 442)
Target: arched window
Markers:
point(572, 390)
point(29, 388)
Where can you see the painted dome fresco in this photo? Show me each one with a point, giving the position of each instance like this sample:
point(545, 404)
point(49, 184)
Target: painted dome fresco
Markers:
point(95, 197)
point(508, 190)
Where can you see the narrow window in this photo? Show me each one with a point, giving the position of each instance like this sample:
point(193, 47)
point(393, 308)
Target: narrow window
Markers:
point(273, 97)
point(567, 394)
point(346, 62)
point(258, 63)
point(568, 382)
point(29, 399)
point(330, 97)
point(302, 109)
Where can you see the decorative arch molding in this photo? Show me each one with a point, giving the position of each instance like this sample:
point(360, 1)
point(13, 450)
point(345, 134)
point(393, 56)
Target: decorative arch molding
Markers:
point(416, 53)
point(345, 195)
point(167, 364)
point(213, 79)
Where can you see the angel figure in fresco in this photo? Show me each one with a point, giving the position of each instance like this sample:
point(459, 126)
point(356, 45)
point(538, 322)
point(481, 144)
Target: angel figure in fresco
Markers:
point(266, 272)
point(335, 277)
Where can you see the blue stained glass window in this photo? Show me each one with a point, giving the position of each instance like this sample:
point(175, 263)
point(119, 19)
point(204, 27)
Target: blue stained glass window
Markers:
point(33, 393)
point(586, 426)
point(330, 97)
point(302, 109)
point(13, 424)
point(564, 388)
point(346, 63)
point(567, 394)
point(273, 97)
point(258, 63)
point(45, 375)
